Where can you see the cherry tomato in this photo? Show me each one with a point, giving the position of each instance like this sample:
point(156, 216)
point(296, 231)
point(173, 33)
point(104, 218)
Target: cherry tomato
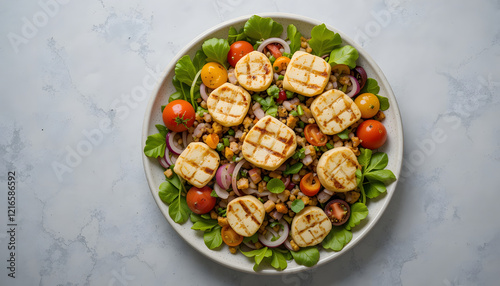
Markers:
point(274, 49)
point(368, 104)
point(199, 200)
point(280, 64)
point(314, 136)
point(230, 237)
point(178, 115)
point(282, 95)
point(237, 51)
point(372, 134)
point(213, 75)
point(310, 185)
point(338, 211)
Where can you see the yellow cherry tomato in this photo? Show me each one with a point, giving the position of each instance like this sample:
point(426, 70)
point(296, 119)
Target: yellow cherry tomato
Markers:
point(368, 104)
point(280, 64)
point(213, 75)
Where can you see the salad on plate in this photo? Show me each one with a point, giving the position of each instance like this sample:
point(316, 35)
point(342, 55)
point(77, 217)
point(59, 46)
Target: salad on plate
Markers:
point(269, 144)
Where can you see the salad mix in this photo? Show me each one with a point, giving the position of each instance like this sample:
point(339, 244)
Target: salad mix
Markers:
point(206, 195)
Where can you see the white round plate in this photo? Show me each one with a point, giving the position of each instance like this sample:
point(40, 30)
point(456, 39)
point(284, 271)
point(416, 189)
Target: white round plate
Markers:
point(393, 146)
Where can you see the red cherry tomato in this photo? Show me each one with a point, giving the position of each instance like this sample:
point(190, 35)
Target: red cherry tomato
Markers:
point(199, 200)
point(282, 95)
point(237, 51)
point(230, 237)
point(338, 211)
point(310, 185)
point(274, 50)
point(372, 134)
point(178, 115)
point(314, 136)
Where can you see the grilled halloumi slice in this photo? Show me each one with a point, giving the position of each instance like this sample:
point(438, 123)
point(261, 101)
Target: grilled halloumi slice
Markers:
point(306, 74)
point(254, 71)
point(269, 143)
point(310, 226)
point(197, 164)
point(228, 104)
point(245, 215)
point(337, 169)
point(334, 111)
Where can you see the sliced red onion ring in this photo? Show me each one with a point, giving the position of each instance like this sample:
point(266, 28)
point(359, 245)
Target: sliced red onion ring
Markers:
point(172, 145)
point(288, 245)
point(249, 245)
point(355, 87)
point(360, 74)
point(163, 161)
point(236, 171)
point(270, 233)
point(223, 194)
point(280, 41)
point(203, 92)
point(223, 175)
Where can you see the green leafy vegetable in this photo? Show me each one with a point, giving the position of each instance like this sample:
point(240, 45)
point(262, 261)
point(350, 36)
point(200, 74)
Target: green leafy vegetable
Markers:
point(216, 50)
point(254, 238)
point(371, 86)
point(162, 129)
point(294, 169)
point(278, 259)
point(297, 205)
point(384, 176)
point(337, 239)
point(307, 256)
point(200, 223)
point(359, 212)
point(275, 186)
point(374, 189)
point(200, 111)
point(364, 157)
point(234, 35)
point(179, 210)
point(168, 192)
point(294, 37)
point(199, 60)
point(323, 41)
point(344, 135)
point(185, 71)
point(213, 238)
point(176, 95)
point(258, 255)
point(384, 102)
point(155, 146)
point(378, 161)
point(268, 104)
point(258, 28)
point(346, 55)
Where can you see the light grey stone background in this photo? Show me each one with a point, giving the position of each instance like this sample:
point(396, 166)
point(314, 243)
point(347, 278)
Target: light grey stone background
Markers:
point(67, 66)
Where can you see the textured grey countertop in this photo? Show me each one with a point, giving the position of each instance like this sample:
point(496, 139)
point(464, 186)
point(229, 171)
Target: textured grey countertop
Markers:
point(72, 110)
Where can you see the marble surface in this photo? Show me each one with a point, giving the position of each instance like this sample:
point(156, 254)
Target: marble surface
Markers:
point(85, 215)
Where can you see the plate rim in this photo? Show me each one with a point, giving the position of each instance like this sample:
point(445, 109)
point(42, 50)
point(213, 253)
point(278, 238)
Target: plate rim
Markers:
point(226, 24)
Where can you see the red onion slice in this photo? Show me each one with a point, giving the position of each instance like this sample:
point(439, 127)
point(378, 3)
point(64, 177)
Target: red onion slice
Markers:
point(203, 92)
point(280, 41)
point(288, 245)
point(270, 233)
point(163, 160)
point(223, 175)
point(360, 75)
point(236, 171)
point(172, 145)
point(223, 194)
point(355, 86)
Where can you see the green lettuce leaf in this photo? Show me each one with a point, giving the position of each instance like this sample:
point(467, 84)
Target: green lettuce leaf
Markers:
point(346, 55)
point(216, 50)
point(337, 239)
point(258, 28)
point(155, 146)
point(323, 41)
point(294, 37)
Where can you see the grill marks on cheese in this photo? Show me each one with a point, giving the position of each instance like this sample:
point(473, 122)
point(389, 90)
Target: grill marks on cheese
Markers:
point(334, 111)
point(337, 169)
point(245, 215)
point(254, 71)
point(269, 143)
point(306, 74)
point(310, 226)
point(197, 164)
point(228, 104)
